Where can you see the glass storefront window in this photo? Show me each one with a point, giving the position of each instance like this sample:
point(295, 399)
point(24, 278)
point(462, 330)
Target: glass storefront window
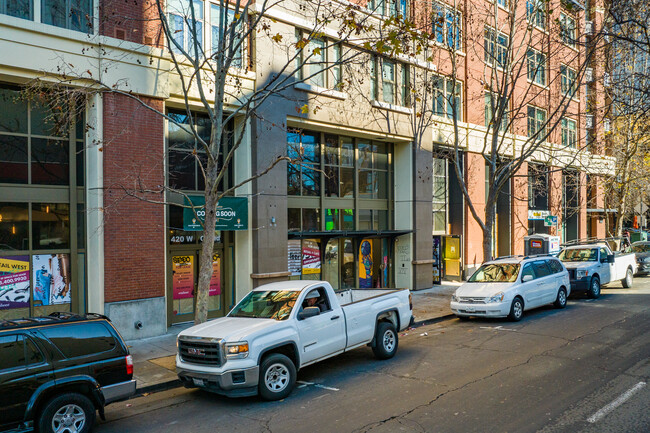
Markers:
point(13, 159)
point(294, 220)
point(14, 226)
point(310, 220)
point(50, 226)
point(50, 161)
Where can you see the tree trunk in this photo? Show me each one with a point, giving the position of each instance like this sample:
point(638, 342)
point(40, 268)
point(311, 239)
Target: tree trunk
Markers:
point(488, 254)
point(205, 259)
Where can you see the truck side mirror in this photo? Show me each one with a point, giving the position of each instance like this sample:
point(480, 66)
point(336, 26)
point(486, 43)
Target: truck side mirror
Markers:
point(610, 258)
point(308, 312)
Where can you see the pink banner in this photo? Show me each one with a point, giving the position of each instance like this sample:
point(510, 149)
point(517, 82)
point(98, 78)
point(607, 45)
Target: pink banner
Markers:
point(215, 281)
point(183, 277)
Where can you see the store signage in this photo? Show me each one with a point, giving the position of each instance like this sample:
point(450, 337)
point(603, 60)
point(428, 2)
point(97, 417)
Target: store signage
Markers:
point(538, 215)
point(232, 213)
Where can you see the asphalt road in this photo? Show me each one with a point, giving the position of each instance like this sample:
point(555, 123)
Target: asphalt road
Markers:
point(584, 368)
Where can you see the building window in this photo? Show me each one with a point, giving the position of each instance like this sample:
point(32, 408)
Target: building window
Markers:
point(339, 166)
point(373, 169)
point(17, 8)
point(217, 33)
point(568, 30)
point(536, 123)
point(536, 67)
point(503, 3)
point(569, 133)
point(439, 200)
point(491, 111)
point(182, 28)
point(568, 85)
point(447, 25)
point(313, 60)
point(68, 14)
point(444, 98)
point(536, 13)
point(392, 86)
point(186, 154)
point(496, 47)
point(303, 175)
point(538, 187)
point(392, 8)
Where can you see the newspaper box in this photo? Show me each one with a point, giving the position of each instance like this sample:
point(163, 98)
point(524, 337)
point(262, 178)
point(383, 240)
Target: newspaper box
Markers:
point(541, 244)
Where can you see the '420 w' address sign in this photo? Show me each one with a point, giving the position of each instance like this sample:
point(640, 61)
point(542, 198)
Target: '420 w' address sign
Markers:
point(232, 213)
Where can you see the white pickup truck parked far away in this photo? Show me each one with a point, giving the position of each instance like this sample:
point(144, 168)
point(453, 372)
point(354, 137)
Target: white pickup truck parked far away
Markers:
point(592, 265)
point(279, 328)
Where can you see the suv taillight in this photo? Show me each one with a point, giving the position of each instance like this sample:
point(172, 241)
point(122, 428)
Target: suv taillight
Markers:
point(129, 365)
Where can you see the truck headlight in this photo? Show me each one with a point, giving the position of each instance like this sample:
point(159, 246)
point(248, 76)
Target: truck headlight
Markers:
point(581, 273)
point(496, 298)
point(237, 350)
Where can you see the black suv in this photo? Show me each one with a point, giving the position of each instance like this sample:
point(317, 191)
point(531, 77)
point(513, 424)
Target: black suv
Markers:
point(56, 371)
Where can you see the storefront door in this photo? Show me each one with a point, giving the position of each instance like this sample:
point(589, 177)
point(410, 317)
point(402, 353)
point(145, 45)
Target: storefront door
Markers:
point(183, 282)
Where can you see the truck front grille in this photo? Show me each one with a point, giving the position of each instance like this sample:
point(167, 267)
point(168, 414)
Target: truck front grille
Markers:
point(200, 352)
point(572, 274)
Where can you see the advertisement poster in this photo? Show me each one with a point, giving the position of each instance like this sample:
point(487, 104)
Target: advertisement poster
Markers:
point(295, 263)
point(436, 260)
point(365, 265)
point(51, 279)
point(182, 276)
point(14, 282)
point(215, 281)
point(310, 257)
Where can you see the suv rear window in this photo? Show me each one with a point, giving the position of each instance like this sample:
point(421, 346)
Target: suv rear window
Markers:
point(555, 266)
point(18, 351)
point(81, 339)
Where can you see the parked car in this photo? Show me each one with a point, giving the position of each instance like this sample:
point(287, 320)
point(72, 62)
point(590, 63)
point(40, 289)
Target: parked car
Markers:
point(641, 249)
point(280, 328)
point(509, 286)
point(593, 265)
point(57, 371)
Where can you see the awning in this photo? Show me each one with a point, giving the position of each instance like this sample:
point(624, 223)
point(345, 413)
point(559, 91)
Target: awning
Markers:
point(356, 234)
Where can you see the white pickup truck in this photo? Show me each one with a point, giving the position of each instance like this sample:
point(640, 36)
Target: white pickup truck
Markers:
point(281, 327)
point(593, 265)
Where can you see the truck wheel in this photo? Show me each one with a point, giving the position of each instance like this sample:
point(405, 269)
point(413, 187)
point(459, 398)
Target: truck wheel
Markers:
point(277, 377)
point(67, 413)
point(560, 301)
point(386, 341)
point(627, 281)
point(594, 288)
point(516, 310)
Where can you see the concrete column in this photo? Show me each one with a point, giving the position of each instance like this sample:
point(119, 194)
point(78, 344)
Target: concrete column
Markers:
point(599, 223)
point(423, 221)
point(555, 199)
point(403, 167)
point(95, 204)
point(582, 214)
point(475, 181)
point(243, 239)
point(519, 209)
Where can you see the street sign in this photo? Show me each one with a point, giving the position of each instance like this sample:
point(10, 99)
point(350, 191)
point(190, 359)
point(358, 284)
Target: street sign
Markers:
point(550, 220)
point(232, 214)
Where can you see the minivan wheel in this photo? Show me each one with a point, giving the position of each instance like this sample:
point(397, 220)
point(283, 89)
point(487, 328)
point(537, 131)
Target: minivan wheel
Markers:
point(627, 281)
point(67, 413)
point(594, 288)
point(385, 341)
point(277, 377)
point(516, 309)
point(560, 301)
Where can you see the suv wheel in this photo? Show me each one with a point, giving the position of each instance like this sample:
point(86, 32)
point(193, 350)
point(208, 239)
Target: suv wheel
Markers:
point(516, 310)
point(67, 413)
point(560, 301)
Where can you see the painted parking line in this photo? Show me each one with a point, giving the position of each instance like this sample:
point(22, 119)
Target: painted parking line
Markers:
point(317, 385)
point(498, 328)
point(616, 403)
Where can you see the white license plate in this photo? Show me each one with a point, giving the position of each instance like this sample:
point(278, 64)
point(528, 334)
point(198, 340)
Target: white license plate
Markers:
point(198, 382)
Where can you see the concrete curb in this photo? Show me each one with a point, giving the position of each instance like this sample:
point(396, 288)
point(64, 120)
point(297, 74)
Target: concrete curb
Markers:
point(176, 383)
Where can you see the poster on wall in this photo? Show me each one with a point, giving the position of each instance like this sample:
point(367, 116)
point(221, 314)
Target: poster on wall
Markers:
point(294, 263)
point(365, 264)
point(215, 281)
point(183, 277)
point(51, 279)
point(310, 257)
point(14, 282)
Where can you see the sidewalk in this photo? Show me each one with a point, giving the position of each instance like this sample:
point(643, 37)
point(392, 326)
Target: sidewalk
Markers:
point(154, 358)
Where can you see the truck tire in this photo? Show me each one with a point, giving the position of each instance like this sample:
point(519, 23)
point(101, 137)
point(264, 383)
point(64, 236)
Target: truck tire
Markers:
point(65, 413)
point(627, 281)
point(594, 287)
point(386, 341)
point(277, 377)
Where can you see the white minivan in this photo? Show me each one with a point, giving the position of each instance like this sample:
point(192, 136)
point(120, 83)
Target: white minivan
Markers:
point(508, 286)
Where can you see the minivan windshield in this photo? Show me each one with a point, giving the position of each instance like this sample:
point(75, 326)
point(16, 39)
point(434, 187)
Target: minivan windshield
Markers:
point(271, 304)
point(579, 255)
point(496, 273)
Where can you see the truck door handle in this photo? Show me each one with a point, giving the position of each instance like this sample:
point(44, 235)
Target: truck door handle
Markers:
point(334, 317)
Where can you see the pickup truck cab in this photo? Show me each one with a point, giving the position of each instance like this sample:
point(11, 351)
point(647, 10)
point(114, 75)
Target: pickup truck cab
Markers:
point(592, 265)
point(281, 327)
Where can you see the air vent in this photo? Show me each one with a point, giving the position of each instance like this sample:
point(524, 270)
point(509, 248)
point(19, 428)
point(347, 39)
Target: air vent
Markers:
point(120, 33)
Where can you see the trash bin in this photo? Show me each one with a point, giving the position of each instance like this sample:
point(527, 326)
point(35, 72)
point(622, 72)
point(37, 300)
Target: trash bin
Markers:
point(636, 236)
point(541, 244)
